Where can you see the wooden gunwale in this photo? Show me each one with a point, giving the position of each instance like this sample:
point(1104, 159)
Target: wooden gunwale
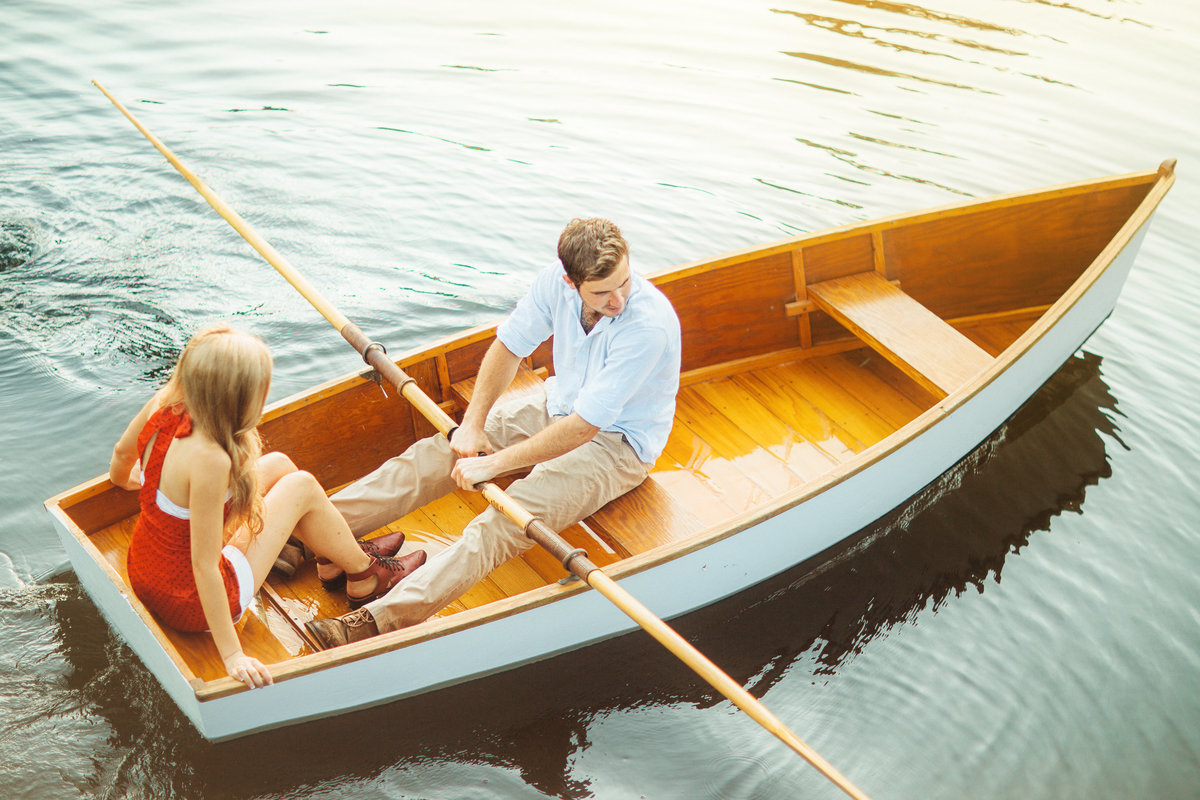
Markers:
point(637, 563)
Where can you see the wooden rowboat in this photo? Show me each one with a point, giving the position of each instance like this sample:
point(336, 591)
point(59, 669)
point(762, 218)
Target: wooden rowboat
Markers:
point(827, 378)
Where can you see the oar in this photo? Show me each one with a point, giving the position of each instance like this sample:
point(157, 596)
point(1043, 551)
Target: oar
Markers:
point(574, 560)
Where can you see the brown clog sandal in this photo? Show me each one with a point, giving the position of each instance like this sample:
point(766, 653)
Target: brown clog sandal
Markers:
point(388, 572)
point(289, 559)
point(379, 547)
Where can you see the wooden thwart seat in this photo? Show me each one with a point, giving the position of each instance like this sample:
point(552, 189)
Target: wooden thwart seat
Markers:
point(525, 381)
point(906, 333)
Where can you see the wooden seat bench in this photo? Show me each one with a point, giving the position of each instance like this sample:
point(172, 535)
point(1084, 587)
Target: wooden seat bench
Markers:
point(902, 330)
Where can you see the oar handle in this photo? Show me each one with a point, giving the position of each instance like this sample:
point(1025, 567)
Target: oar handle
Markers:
point(574, 560)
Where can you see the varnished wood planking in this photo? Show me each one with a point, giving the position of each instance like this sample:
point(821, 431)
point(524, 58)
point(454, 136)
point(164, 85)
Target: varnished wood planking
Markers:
point(525, 382)
point(731, 442)
point(834, 259)
point(341, 437)
point(847, 411)
point(95, 505)
point(428, 375)
point(744, 411)
point(101, 505)
point(850, 371)
point(693, 490)
point(777, 394)
point(994, 338)
point(463, 362)
point(730, 485)
point(770, 387)
point(890, 375)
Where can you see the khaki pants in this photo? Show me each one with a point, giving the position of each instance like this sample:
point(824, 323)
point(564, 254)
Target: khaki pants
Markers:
point(560, 492)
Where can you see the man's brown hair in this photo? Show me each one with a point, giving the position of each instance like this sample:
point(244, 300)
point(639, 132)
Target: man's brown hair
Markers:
point(590, 249)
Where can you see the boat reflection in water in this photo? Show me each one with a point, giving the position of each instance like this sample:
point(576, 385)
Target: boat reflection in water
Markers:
point(954, 536)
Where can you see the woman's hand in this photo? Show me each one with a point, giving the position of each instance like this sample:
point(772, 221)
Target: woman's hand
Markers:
point(248, 670)
point(132, 480)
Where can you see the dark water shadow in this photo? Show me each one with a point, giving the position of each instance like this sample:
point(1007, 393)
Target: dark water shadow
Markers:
point(953, 537)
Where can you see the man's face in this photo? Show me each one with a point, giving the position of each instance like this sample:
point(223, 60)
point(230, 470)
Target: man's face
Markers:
point(607, 296)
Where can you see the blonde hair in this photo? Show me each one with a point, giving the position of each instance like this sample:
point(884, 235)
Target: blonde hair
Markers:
point(590, 249)
point(222, 378)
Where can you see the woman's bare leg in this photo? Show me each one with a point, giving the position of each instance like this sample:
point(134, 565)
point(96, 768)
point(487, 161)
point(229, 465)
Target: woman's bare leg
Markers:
point(271, 467)
point(297, 505)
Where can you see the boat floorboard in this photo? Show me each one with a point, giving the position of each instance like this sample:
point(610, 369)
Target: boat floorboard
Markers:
point(739, 440)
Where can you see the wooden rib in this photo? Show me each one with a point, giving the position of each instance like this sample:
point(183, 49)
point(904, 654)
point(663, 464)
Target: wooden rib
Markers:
point(905, 332)
point(801, 296)
point(877, 251)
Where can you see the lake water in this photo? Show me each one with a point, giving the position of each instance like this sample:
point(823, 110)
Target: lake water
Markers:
point(1028, 628)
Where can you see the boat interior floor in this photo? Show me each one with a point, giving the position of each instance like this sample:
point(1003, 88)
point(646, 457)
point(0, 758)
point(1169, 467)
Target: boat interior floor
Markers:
point(744, 433)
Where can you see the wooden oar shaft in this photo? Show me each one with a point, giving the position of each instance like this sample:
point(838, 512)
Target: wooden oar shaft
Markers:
point(574, 560)
point(717, 678)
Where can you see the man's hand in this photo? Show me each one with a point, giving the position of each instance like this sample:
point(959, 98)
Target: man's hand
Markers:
point(468, 441)
point(471, 471)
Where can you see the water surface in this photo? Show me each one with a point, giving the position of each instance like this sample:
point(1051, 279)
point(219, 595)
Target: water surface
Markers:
point(1025, 628)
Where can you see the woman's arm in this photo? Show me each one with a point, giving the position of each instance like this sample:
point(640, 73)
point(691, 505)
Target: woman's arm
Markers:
point(207, 483)
point(124, 470)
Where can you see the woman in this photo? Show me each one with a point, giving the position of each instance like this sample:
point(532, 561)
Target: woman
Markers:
point(215, 514)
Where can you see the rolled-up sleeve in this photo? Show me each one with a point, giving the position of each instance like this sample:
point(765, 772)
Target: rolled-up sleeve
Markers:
point(532, 321)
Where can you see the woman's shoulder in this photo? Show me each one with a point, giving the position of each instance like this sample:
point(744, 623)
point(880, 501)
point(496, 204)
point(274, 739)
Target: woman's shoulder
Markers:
point(205, 452)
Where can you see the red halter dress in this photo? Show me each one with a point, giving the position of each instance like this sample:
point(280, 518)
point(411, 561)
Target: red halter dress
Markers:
point(160, 552)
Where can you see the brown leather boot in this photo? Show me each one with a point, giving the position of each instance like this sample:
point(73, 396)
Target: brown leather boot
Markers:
point(379, 547)
point(388, 572)
point(353, 627)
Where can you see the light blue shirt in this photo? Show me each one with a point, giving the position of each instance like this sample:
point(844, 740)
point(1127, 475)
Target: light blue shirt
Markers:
point(622, 376)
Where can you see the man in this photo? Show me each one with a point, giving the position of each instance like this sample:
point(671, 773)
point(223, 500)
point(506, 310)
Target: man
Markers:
point(593, 434)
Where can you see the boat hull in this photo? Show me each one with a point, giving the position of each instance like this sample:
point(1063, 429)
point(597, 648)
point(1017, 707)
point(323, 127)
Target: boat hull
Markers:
point(703, 567)
point(797, 532)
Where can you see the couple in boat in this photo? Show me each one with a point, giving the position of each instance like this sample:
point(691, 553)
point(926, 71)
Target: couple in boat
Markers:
point(217, 515)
